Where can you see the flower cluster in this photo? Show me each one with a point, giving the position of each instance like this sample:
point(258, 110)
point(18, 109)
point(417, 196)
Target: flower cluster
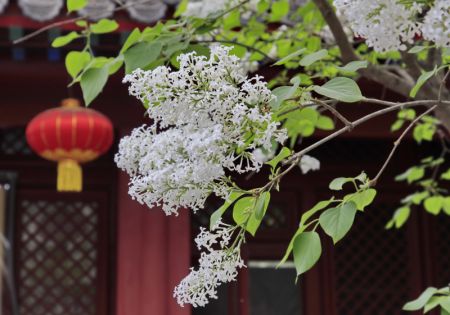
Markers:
point(216, 266)
point(391, 24)
point(384, 24)
point(309, 163)
point(436, 25)
point(208, 118)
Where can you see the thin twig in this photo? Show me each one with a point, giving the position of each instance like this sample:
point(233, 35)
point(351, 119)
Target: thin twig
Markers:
point(374, 181)
point(334, 112)
point(406, 104)
point(441, 86)
point(73, 20)
point(358, 122)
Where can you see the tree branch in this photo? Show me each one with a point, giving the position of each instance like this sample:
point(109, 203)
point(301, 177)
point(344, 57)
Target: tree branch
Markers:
point(347, 52)
point(374, 181)
point(333, 110)
point(358, 122)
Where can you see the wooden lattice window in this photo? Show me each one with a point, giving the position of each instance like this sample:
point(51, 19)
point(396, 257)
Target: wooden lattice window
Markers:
point(372, 272)
point(59, 264)
point(443, 250)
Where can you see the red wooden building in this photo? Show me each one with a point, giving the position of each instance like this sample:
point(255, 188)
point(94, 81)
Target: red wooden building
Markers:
point(100, 253)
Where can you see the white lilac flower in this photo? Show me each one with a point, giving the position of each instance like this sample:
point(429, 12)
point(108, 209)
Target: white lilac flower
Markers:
point(385, 24)
point(216, 266)
point(436, 25)
point(309, 163)
point(208, 118)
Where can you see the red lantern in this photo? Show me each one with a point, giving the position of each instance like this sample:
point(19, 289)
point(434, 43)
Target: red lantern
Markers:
point(70, 135)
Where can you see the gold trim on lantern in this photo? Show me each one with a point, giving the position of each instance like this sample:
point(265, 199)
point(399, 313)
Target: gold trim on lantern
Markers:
point(70, 176)
point(81, 156)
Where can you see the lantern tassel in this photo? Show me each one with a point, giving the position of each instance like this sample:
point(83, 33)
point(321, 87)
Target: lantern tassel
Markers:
point(70, 176)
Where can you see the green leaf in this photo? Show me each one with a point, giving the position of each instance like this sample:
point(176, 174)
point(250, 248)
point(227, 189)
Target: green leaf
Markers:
point(65, 39)
point(420, 302)
point(284, 153)
point(104, 26)
point(432, 303)
point(315, 56)
point(417, 49)
point(308, 214)
point(75, 5)
point(446, 175)
point(319, 206)
point(289, 57)
point(283, 93)
point(424, 77)
point(325, 123)
point(232, 20)
point(411, 175)
point(362, 198)
point(81, 23)
point(242, 209)
point(445, 303)
point(337, 183)
point(76, 61)
point(340, 88)
point(307, 250)
point(141, 55)
point(408, 114)
point(336, 222)
point(279, 10)
point(92, 83)
point(401, 216)
point(398, 124)
point(434, 204)
point(132, 39)
point(261, 205)
point(217, 215)
point(354, 66)
point(181, 8)
point(446, 205)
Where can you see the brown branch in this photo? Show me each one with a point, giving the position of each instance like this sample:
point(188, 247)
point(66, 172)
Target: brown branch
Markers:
point(347, 52)
point(334, 111)
point(374, 181)
point(358, 122)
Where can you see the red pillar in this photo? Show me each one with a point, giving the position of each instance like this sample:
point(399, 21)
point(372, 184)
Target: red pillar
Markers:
point(153, 256)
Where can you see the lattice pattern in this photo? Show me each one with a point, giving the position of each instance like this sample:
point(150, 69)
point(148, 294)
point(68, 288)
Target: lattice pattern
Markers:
point(371, 271)
point(13, 142)
point(57, 257)
point(443, 257)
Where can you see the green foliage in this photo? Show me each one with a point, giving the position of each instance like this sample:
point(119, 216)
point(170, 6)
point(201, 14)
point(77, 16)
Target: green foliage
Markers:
point(92, 83)
point(248, 212)
point(217, 215)
point(335, 217)
point(65, 39)
point(336, 222)
point(354, 66)
point(283, 93)
point(141, 55)
point(75, 5)
point(104, 26)
point(284, 153)
point(430, 299)
point(76, 61)
point(307, 250)
point(313, 57)
point(341, 89)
